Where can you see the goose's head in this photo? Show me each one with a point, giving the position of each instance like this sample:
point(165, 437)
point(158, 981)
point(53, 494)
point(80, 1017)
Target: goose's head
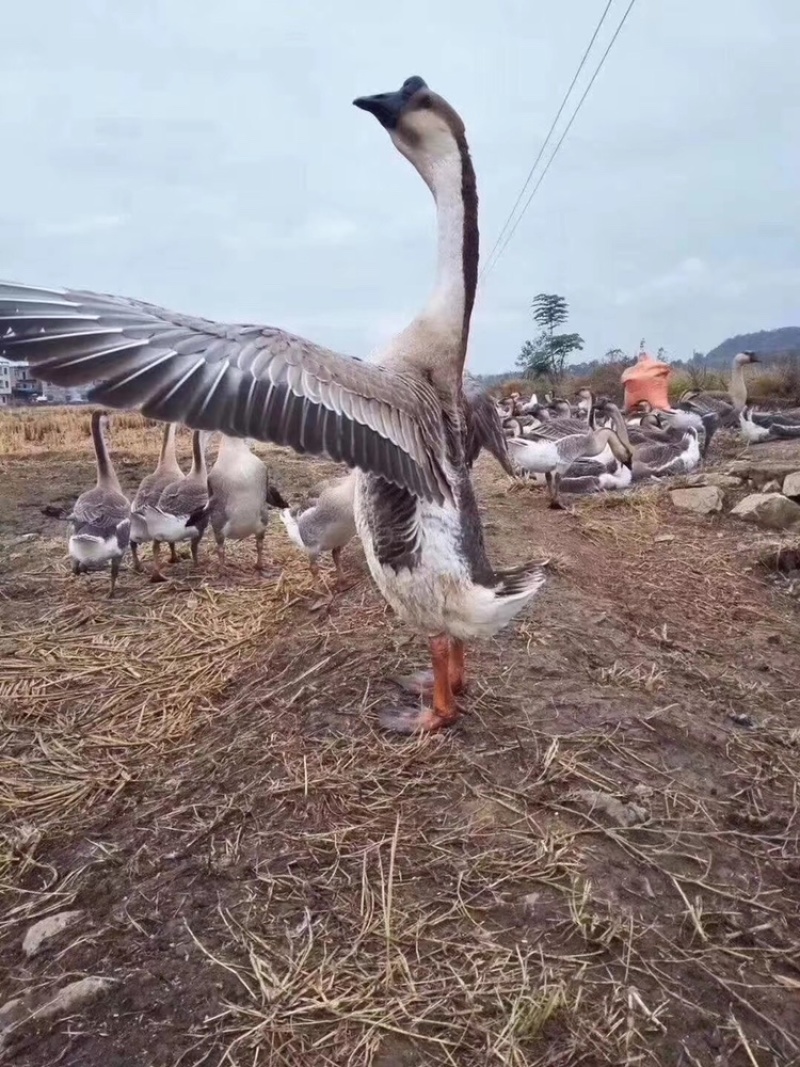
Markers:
point(423, 126)
point(744, 358)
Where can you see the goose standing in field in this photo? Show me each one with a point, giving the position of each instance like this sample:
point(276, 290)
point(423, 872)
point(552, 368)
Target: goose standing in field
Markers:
point(100, 520)
point(181, 513)
point(327, 525)
point(150, 489)
point(726, 405)
point(400, 423)
point(584, 404)
point(554, 446)
point(240, 497)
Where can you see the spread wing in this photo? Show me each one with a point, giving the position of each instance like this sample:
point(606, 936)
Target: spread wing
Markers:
point(484, 428)
point(247, 381)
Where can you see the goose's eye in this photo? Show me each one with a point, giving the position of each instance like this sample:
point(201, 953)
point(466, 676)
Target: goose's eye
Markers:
point(425, 102)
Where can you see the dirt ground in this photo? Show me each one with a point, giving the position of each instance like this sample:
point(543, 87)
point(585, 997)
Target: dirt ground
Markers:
point(599, 866)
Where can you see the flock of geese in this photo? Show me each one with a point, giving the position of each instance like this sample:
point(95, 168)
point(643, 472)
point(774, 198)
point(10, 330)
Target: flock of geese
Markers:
point(589, 446)
point(408, 425)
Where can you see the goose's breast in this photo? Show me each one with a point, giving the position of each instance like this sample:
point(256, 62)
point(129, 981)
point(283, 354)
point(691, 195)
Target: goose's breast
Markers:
point(420, 555)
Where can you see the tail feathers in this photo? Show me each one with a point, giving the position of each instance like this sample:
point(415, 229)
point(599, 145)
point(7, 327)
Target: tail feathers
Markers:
point(522, 581)
point(274, 498)
point(197, 517)
point(293, 530)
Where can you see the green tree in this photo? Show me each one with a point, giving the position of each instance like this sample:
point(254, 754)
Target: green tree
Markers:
point(546, 356)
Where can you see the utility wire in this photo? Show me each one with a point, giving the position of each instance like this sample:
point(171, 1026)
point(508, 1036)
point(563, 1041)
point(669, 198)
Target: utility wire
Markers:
point(562, 138)
point(536, 161)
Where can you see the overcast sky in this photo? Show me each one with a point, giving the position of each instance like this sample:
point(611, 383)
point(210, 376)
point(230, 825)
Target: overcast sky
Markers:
point(208, 158)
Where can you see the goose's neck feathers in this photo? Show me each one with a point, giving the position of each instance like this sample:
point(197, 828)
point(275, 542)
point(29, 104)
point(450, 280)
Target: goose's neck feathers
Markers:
point(435, 342)
point(199, 472)
point(106, 475)
point(167, 459)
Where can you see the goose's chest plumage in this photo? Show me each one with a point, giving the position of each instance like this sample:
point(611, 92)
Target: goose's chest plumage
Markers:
point(427, 559)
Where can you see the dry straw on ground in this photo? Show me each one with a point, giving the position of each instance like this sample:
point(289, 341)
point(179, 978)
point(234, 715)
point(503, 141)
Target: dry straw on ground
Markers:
point(599, 868)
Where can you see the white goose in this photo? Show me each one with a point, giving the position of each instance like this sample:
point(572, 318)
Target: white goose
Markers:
point(240, 497)
point(100, 520)
point(181, 513)
point(400, 422)
point(150, 489)
point(327, 525)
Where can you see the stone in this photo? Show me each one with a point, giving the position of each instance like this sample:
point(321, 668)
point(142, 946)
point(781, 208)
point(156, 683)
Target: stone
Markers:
point(703, 500)
point(695, 481)
point(46, 929)
point(760, 471)
point(23, 539)
point(791, 484)
point(771, 510)
point(771, 487)
point(49, 1004)
point(722, 481)
point(623, 814)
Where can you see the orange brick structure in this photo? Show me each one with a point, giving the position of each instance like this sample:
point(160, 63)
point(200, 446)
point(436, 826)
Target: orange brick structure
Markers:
point(647, 380)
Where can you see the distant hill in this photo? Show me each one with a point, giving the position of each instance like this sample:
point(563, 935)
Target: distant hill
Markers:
point(776, 343)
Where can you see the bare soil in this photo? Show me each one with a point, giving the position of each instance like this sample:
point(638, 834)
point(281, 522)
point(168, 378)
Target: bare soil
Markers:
point(598, 866)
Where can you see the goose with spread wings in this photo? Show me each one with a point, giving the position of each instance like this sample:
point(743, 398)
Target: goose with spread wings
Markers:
point(399, 421)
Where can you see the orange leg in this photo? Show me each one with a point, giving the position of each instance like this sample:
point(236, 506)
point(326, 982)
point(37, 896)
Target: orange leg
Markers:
point(421, 682)
point(443, 712)
point(458, 681)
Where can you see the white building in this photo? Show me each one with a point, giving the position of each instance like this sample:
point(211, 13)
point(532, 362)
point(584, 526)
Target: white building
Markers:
point(17, 386)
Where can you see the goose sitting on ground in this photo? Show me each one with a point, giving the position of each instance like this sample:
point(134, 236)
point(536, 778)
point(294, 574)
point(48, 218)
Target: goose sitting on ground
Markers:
point(555, 446)
point(100, 520)
point(150, 489)
point(757, 427)
point(663, 459)
point(240, 497)
point(400, 423)
point(578, 482)
point(665, 431)
point(726, 405)
point(181, 513)
point(327, 525)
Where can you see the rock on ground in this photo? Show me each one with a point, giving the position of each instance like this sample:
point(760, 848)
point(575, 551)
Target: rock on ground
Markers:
point(46, 929)
point(771, 510)
point(760, 471)
point(49, 1004)
point(695, 481)
point(791, 484)
point(702, 500)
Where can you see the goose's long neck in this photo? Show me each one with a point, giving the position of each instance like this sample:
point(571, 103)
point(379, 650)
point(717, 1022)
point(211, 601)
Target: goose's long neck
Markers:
point(619, 424)
point(167, 459)
point(447, 314)
point(106, 475)
point(198, 471)
point(738, 386)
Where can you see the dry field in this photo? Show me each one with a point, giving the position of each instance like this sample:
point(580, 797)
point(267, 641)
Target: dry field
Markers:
point(599, 867)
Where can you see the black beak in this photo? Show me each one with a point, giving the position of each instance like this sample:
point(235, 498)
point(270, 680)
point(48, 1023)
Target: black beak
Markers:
point(388, 107)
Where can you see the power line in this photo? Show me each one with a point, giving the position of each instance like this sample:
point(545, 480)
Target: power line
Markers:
point(581, 65)
point(563, 136)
